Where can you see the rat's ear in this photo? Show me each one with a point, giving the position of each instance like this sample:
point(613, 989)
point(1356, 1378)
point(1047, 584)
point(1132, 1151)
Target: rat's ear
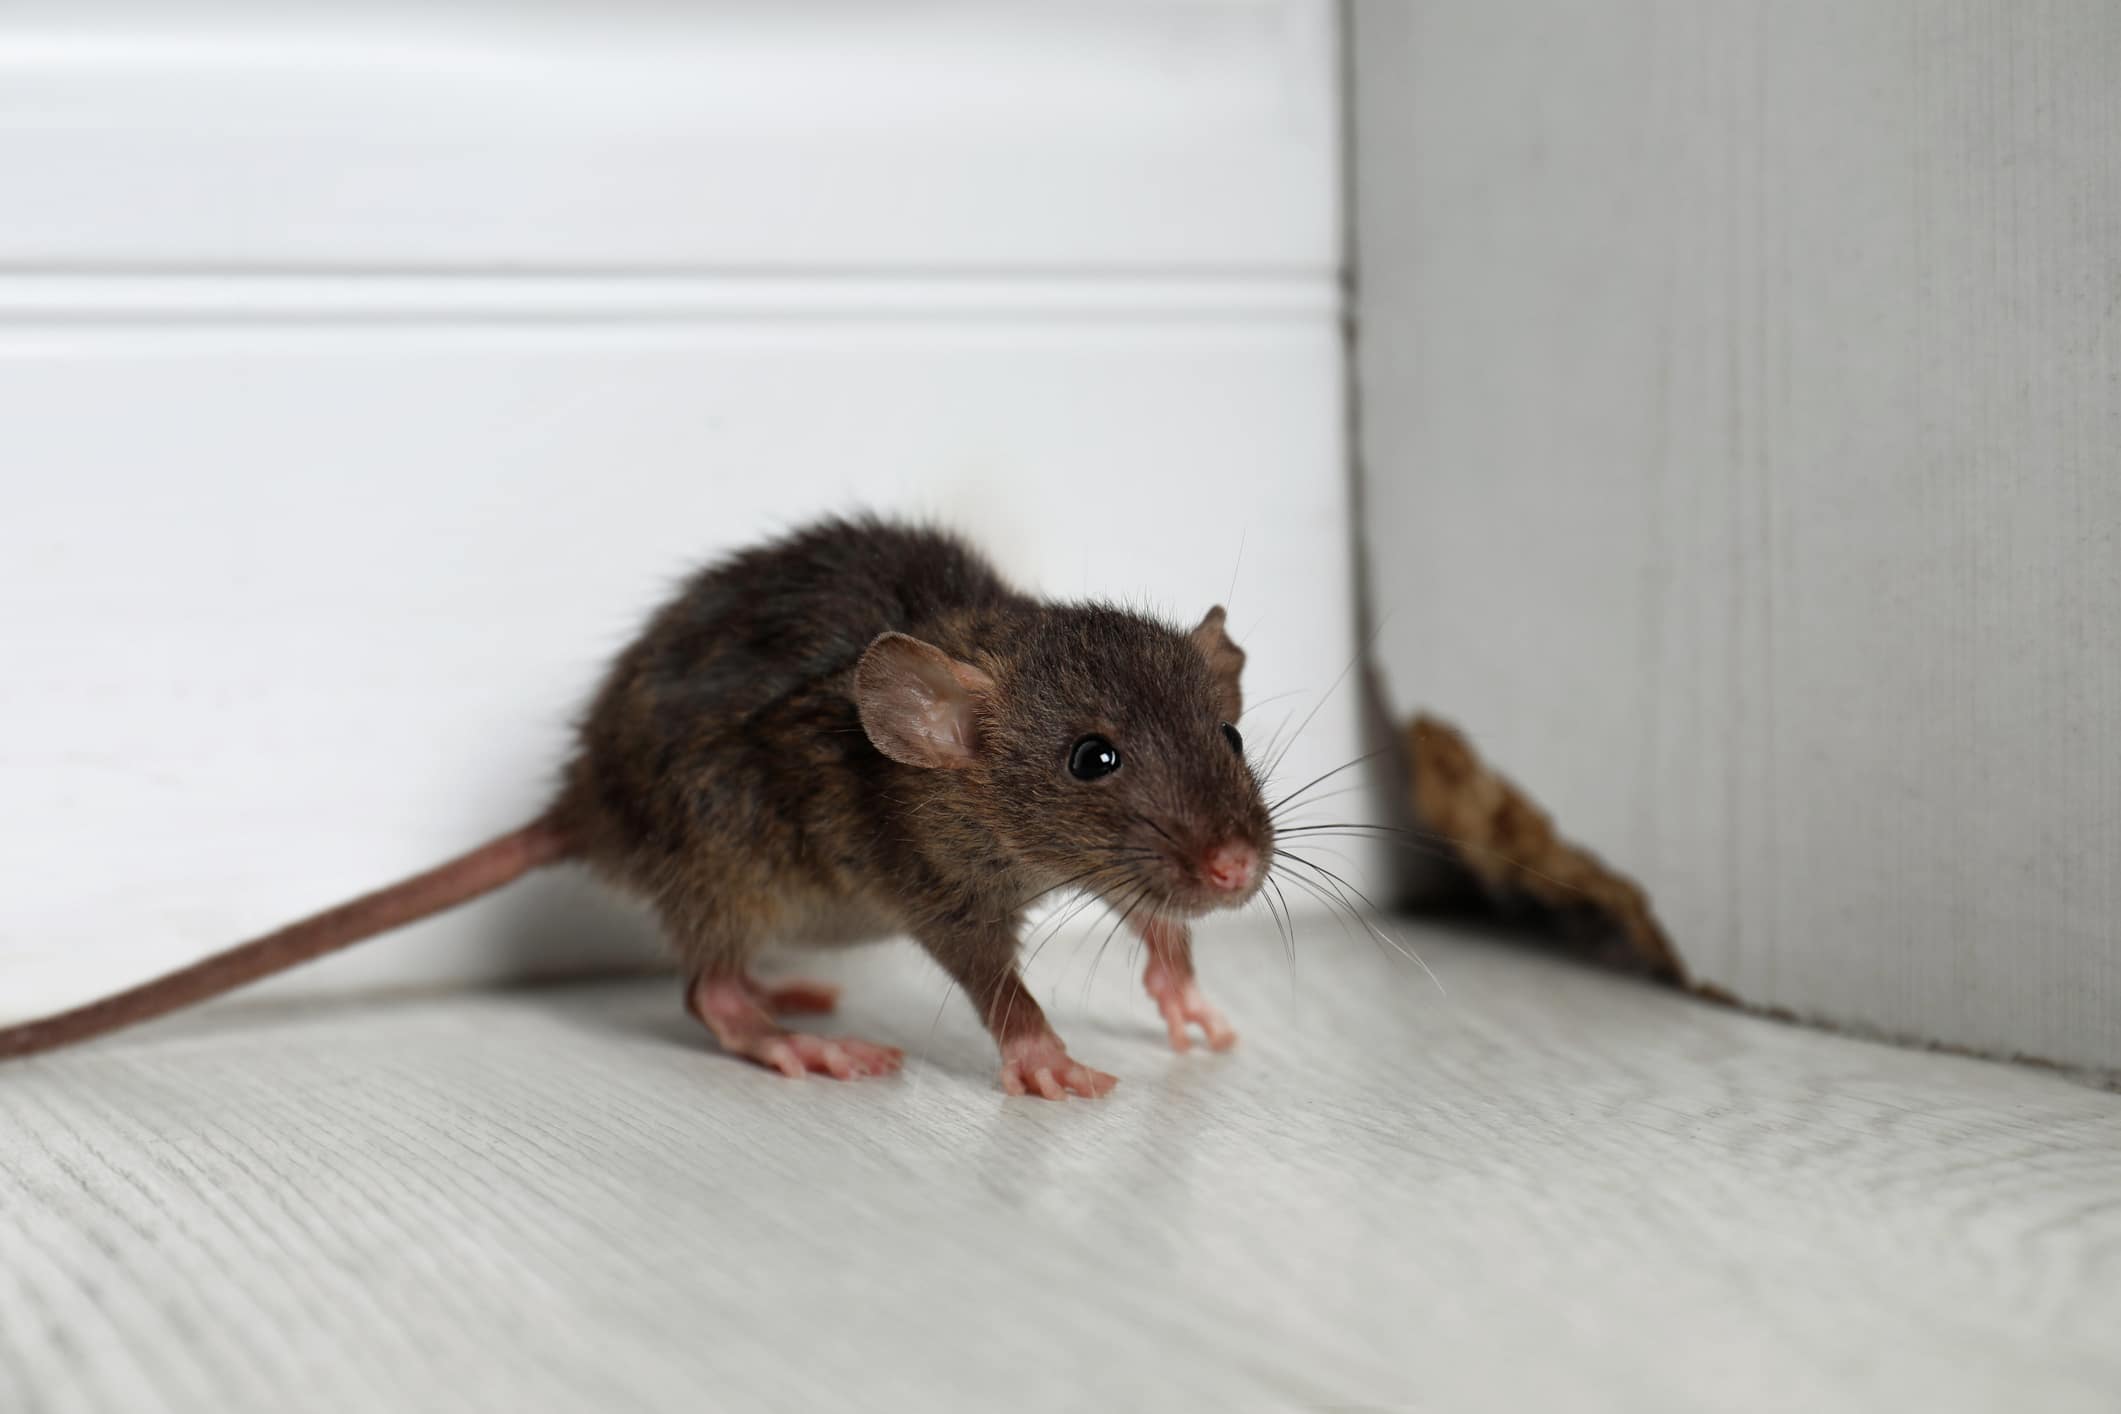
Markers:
point(918, 704)
point(1225, 660)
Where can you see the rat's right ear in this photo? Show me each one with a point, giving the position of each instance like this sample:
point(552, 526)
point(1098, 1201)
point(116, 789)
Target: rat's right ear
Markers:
point(919, 705)
point(1226, 662)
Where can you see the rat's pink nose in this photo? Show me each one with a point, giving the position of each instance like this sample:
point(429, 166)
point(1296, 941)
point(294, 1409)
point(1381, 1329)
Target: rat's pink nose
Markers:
point(1230, 866)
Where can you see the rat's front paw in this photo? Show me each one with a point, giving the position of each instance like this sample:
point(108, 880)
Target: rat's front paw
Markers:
point(1180, 1000)
point(1041, 1065)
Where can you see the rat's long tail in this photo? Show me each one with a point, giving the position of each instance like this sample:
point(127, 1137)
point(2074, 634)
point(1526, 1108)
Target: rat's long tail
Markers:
point(459, 881)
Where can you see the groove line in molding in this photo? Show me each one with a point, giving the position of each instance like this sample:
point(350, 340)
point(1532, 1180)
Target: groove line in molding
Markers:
point(245, 298)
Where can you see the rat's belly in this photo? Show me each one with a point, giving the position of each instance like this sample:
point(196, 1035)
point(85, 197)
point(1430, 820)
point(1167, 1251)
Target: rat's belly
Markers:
point(826, 920)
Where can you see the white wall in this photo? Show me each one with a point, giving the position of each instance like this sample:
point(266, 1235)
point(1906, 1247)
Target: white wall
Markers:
point(365, 383)
point(1742, 400)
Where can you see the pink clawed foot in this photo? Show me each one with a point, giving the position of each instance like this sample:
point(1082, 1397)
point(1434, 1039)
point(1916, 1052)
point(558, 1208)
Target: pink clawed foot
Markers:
point(1040, 1065)
point(735, 1009)
point(796, 1054)
point(1179, 998)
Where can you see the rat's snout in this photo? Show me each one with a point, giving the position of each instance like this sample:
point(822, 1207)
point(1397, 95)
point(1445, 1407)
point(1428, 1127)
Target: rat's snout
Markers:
point(1230, 867)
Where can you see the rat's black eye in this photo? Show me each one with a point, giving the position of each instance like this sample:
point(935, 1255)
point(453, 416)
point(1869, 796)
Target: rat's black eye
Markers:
point(1237, 743)
point(1092, 757)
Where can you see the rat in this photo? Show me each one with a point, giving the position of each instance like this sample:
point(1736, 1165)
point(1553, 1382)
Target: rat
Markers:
point(860, 730)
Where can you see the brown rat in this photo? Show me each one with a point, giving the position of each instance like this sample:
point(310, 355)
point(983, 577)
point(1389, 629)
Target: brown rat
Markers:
point(854, 732)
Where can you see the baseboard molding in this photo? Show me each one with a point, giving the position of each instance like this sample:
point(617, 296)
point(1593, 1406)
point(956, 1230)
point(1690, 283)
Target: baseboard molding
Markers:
point(394, 297)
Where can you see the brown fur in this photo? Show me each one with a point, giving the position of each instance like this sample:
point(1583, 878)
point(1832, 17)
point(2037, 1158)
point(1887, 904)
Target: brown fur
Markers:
point(725, 774)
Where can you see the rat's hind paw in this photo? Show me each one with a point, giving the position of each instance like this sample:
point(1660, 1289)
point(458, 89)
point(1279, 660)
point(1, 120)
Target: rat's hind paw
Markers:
point(1041, 1065)
point(735, 1009)
point(1181, 1002)
point(795, 1054)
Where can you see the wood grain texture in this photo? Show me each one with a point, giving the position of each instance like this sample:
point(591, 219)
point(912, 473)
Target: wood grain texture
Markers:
point(1742, 396)
point(1545, 1188)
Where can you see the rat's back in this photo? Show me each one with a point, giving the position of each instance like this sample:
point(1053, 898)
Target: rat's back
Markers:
point(732, 703)
point(775, 618)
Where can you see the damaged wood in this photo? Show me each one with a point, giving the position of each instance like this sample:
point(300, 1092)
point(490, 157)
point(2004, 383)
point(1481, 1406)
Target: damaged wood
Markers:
point(1511, 849)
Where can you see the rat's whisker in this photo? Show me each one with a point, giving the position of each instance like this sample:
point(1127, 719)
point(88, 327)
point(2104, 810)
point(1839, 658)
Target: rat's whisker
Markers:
point(1074, 879)
point(1335, 909)
point(1340, 678)
point(1424, 848)
point(928, 1045)
point(1327, 776)
point(1117, 923)
point(1340, 909)
point(1412, 838)
point(1158, 828)
point(1289, 925)
point(1339, 885)
point(1311, 801)
point(1251, 707)
point(1051, 926)
point(1269, 760)
point(1283, 928)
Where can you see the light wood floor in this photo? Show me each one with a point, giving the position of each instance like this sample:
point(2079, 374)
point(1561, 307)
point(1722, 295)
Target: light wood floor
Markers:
point(1542, 1188)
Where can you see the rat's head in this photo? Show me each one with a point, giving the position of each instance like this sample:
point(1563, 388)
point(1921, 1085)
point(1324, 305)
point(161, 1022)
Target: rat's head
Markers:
point(1102, 746)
